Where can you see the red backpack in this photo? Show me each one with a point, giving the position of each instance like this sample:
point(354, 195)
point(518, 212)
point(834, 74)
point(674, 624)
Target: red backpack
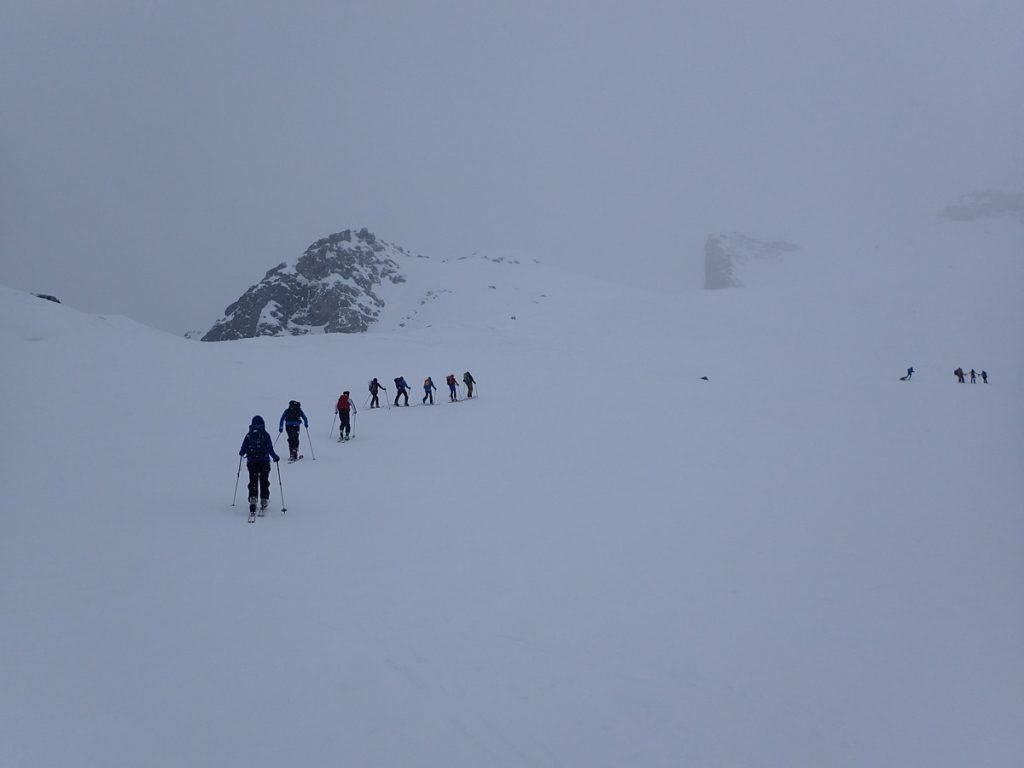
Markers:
point(342, 403)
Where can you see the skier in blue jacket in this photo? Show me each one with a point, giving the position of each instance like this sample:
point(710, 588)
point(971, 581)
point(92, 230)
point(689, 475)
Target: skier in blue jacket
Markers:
point(258, 449)
point(401, 390)
point(292, 418)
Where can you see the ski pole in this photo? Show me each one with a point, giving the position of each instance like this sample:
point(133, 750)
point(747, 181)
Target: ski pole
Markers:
point(236, 481)
point(331, 433)
point(280, 487)
point(277, 438)
point(310, 441)
point(366, 402)
point(354, 414)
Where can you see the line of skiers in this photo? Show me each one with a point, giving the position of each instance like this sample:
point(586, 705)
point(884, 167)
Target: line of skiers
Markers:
point(402, 389)
point(959, 373)
point(258, 449)
point(961, 376)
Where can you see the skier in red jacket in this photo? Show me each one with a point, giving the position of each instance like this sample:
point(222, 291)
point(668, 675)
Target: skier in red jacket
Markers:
point(344, 404)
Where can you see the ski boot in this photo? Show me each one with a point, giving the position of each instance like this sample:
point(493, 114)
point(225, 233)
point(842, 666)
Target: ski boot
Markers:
point(263, 507)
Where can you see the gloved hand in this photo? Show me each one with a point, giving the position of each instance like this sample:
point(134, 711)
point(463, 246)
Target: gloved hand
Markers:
point(280, 430)
point(277, 459)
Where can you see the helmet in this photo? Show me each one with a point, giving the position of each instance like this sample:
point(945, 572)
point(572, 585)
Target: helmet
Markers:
point(257, 421)
point(293, 403)
point(345, 392)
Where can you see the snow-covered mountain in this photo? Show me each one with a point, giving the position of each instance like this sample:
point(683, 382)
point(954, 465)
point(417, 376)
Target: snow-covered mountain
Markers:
point(725, 255)
point(603, 560)
point(351, 280)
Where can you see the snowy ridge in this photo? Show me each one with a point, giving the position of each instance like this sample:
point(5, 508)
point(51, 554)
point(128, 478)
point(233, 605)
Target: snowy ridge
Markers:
point(602, 561)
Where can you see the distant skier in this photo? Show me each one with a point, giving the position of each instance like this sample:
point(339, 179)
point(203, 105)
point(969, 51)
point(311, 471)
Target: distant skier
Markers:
point(375, 387)
point(344, 404)
point(401, 390)
point(974, 377)
point(258, 449)
point(910, 373)
point(428, 390)
point(453, 387)
point(959, 373)
point(469, 381)
point(984, 377)
point(292, 419)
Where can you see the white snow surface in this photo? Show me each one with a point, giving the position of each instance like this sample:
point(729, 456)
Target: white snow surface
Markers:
point(601, 561)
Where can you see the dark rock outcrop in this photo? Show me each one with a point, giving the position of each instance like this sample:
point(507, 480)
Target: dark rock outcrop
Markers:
point(980, 205)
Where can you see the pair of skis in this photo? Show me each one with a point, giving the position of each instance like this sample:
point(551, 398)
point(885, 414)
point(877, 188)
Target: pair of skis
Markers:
point(254, 511)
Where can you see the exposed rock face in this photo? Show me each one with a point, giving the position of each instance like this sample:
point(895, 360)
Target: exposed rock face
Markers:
point(331, 289)
point(981, 205)
point(724, 253)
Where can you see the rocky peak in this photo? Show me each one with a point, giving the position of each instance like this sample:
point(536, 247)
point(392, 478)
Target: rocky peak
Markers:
point(331, 289)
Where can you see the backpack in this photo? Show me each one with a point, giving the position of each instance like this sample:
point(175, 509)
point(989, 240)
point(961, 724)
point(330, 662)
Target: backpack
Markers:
point(342, 403)
point(451, 379)
point(399, 382)
point(256, 447)
point(294, 412)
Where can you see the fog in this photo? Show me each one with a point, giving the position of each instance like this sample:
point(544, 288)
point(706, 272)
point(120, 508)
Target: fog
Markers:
point(157, 158)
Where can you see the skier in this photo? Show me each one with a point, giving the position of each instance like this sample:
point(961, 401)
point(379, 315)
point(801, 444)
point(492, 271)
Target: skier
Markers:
point(428, 390)
point(910, 372)
point(375, 387)
point(959, 373)
point(344, 403)
point(401, 390)
point(469, 381)
point(984, 377)
point(974, 377)
point(258, 449)
point(292, 418)
point(453, 387)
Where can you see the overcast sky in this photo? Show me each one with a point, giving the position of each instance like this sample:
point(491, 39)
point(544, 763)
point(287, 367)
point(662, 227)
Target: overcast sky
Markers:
point(157, 158)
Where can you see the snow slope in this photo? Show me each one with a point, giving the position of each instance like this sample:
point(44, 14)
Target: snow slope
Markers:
point(602, 561)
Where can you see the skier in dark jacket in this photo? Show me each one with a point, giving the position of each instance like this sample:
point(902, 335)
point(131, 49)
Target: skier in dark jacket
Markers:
point(428, 390)
point(344, 404)
point(375, 387)
point(910, 372)
point(453, 387)
point(401, 390)
point(258, 449)
point(291, 419)
point(984, 377)
point(469, 381)
point(974, 377)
